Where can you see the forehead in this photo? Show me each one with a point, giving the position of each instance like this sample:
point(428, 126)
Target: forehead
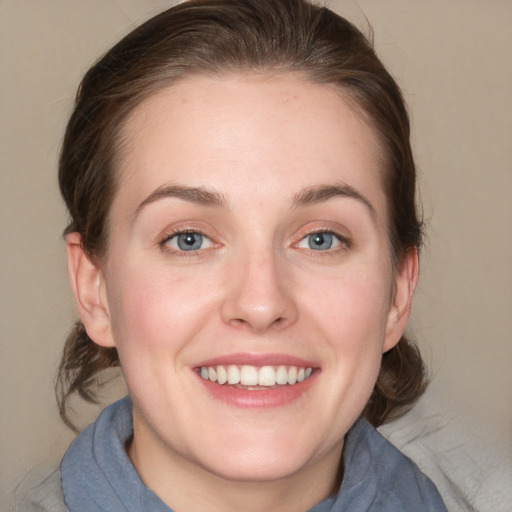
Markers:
point(277, 129)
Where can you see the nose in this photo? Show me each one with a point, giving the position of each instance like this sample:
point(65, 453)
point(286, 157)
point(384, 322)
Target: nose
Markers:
point(259, 296)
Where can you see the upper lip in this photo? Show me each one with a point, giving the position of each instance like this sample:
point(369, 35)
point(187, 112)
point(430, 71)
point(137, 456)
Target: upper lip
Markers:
point(258, 360)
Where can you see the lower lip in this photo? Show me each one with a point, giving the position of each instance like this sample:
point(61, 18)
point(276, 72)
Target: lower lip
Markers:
point(258, 398)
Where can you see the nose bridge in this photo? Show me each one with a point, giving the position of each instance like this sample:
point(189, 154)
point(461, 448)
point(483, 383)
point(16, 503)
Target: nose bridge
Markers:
point(259, 295)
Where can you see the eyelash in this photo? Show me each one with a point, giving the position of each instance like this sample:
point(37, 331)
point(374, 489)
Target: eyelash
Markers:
point(344, 242)
point(163, 244)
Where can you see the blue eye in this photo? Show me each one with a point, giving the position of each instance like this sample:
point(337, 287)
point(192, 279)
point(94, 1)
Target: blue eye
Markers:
point(321, 241)
point(188, 241)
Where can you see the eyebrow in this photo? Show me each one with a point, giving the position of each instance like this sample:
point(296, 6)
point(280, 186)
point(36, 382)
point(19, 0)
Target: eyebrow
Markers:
point(203, 196)
point(321, 193)
point(198, 195)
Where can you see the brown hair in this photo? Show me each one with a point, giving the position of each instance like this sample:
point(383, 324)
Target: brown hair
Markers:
point(217, 37)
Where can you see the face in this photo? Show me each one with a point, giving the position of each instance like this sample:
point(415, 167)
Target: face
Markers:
point(248, 285)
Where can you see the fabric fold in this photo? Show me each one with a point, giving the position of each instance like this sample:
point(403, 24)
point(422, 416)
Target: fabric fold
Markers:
point(97, 475)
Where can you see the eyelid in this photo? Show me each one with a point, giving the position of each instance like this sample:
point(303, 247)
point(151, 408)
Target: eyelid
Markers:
point(336, 241)
point(172, 232)
point(344, 240)
point(176, 236)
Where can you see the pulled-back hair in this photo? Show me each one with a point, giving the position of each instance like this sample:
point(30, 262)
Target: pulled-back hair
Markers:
point(216, 37)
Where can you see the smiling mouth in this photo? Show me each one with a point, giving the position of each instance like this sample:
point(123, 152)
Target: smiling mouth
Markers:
point(255, 377)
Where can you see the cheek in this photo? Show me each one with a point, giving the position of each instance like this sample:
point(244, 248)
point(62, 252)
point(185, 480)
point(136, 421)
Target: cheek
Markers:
point(156, 309)
point(357, 303)
point(348, 314)
point(352, 316)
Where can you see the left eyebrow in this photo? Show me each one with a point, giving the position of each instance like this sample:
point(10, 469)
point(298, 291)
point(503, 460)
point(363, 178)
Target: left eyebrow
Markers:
point(322, 193)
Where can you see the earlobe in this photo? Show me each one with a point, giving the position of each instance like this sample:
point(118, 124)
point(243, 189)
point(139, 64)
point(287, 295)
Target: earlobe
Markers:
point(406, 279)
point(88, 286)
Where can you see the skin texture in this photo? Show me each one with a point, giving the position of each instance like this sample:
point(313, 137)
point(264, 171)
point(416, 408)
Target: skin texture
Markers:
point(255, 288)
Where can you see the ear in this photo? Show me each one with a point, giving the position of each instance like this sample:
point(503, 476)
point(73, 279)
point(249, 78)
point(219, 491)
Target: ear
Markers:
point(88, 286)
point(406, 279)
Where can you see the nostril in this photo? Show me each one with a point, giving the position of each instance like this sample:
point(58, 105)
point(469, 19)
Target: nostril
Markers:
point(258, 326)
point(258, 305)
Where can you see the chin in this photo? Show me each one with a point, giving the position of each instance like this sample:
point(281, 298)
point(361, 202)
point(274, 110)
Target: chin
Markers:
point(257, 458)
point(257, 467)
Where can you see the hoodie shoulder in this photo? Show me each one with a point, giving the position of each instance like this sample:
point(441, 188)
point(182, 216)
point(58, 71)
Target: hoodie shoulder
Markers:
point(40, 491)
point(381, 478)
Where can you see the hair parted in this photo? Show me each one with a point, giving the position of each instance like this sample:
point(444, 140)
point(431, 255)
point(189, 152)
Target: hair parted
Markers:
point(205, 37)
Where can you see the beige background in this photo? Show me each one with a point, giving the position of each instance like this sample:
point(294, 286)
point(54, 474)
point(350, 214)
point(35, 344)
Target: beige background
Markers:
point(452, 58)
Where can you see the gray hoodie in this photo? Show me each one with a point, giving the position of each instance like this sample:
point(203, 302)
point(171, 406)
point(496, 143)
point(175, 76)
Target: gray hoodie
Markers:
point(96, 475)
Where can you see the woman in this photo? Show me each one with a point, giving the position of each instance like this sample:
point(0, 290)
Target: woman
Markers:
point(244, 244)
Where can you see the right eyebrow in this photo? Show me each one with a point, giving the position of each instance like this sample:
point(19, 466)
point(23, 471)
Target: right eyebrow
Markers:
point(321, 193)
point(198, 195)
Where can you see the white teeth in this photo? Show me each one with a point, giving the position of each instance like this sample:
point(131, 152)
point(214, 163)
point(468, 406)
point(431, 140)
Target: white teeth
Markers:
point(222, 375)
point(247, 375)
point(233, 374)
point(267, 376)
point(282, 375)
